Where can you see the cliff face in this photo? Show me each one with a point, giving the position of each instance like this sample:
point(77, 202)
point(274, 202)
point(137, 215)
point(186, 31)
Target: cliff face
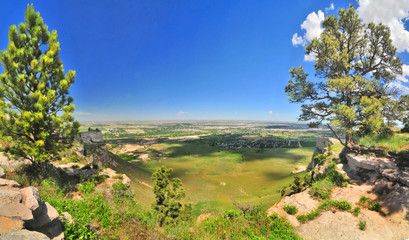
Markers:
point(94, 147)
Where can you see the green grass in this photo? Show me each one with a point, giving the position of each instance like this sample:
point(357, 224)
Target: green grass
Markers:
point(212, 176)
point(326, 205)
point(394, 143)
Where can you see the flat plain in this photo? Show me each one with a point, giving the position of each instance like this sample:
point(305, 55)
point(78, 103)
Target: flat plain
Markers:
point(217, 161)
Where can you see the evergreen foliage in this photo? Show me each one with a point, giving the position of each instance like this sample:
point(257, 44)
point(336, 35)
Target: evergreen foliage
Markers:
point(168, 195)
point(355, 64)
point(35, 109)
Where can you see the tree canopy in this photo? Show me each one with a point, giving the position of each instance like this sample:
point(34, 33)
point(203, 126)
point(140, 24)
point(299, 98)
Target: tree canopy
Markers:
point(36, 119)
point(354, 68)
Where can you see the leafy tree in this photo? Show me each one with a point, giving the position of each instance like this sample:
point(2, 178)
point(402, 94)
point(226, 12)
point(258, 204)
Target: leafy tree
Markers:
point(168, 196)
point(355, 64)
point(35, 109)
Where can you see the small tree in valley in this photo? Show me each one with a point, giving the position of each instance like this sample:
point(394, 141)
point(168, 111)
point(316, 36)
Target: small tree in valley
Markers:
point(355, 64)
point(168, 196)
point(35, 109)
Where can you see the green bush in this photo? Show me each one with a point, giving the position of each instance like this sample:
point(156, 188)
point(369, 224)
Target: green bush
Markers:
point(363, 200)
point(290, 209)
point(362, 225)
point(341, 205)
point(320, 159)
point(87, 187)
point(374, 206)
point(357, 211)
point(322, 188)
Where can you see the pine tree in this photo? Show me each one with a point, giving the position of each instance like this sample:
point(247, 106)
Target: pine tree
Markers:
point(168, 196)
point(355, 64)
point(36, 119)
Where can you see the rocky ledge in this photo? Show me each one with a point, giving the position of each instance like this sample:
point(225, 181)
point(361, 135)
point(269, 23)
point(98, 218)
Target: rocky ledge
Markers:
point(24, 215)
point(373, 168)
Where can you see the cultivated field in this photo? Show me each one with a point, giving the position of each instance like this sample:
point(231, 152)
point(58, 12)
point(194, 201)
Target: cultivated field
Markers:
point(217, 161)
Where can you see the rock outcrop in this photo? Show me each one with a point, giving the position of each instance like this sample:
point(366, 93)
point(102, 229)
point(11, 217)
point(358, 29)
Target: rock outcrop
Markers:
point(321, 147)
point(24, 215)
point(94, 147)
point(374, 168)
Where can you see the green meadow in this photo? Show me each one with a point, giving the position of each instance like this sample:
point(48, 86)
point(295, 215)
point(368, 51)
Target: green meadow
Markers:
point(214, 176)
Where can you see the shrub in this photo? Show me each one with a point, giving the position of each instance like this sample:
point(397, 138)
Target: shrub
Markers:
point(363, 200)
point(362, 225)
point(290, 209)
point(320, 159)
point(87, 187)
point(322, 188)
point(341, 205)
point(356, 211)
point(119, 176)
point(374, 206)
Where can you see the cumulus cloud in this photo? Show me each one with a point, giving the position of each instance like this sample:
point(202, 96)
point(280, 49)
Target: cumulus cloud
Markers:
point(312, 27)
point(391, 13)
point(298, 40)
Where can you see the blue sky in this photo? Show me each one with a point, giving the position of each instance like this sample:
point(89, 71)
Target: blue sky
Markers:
point(169, 60)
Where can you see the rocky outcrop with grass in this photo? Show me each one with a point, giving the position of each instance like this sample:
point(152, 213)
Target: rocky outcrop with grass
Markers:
point(24, 215)
point(372, 204)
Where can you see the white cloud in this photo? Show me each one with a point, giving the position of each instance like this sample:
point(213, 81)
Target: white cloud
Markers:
point(310, 57)
point(270, 112)
point(298, 40)
point(312, 25)
point(331, 7)
point(181, 113)
point(392, 14)
point(313, 29)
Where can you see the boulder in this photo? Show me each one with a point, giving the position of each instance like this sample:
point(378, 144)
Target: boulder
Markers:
point(2, 173)
point(24, 235)
point(16, 211)
point(8, 224)
point(8, 183)
point(9, 196)
point(32, 200)
point(47, 215)
point(53, 230)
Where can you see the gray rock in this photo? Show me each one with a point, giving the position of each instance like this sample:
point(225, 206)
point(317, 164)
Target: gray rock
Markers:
point(47, 215)
point(24, 235)
point(53, 230)
point(8, 183)
point(2, 173)
point(90, 137)
point(9, 196)
point(16, 211)
point(32, 199)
